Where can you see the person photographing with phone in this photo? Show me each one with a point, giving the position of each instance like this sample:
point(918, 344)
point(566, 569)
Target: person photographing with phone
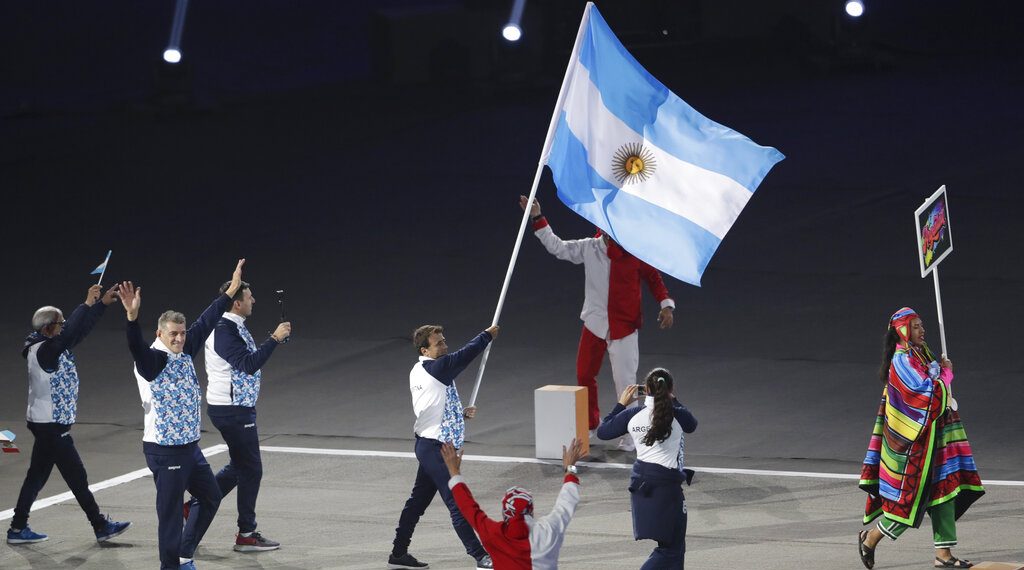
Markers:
point(655, 486)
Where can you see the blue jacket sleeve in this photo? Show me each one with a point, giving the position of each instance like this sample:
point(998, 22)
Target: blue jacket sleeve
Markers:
point(228, 344)
point(616, 423)
point(76, 327)
point(446, 368)
point(684, 417)
point(203, 326)
point(148, 361)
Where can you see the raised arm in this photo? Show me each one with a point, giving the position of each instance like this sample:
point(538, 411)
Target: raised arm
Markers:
point(229, 345)
point(204, 325)
point(616, 423)
point(571, 250)
point(148, 361)
point(685, 418)
point(470, 509)
point(76, 327)
point(446, 368)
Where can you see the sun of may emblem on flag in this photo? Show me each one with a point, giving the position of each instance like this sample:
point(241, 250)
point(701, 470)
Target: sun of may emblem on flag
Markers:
point(633, 162)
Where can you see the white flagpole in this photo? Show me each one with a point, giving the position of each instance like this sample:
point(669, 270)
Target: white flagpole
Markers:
point(533, 192)
point(104, 272)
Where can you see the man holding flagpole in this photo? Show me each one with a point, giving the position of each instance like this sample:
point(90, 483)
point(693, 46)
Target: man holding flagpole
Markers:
point(52, 410)
point(612, 312)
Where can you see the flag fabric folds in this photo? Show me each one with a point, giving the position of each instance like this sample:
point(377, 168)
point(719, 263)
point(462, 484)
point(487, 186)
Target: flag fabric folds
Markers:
point(629, 155)
point(103, 266)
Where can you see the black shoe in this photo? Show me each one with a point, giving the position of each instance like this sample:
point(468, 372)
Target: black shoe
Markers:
point(405, 561)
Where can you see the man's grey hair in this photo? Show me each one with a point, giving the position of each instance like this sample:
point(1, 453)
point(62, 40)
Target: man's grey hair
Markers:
point(46, 316)
point(170, 317)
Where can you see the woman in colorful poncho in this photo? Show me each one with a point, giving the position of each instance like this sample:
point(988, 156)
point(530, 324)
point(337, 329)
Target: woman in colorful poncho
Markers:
point(919, 459)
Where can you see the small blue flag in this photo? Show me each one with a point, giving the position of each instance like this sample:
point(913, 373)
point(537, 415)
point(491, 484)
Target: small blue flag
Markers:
point(103, 266)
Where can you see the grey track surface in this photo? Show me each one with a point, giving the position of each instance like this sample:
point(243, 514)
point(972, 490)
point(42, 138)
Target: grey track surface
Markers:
point(376, 226)
point(339, 512)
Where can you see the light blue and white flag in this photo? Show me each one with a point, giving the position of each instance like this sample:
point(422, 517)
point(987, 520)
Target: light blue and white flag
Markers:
point(103, 266)
point(629, 155)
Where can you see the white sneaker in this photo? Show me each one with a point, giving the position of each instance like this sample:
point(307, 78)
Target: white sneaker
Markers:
point(593, 436)
point(626, 444)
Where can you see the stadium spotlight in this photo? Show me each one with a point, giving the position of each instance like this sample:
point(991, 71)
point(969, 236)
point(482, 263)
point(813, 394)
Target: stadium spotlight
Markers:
point(512, 32)
point(855, 8)
point(173, 52)
point(172, 55)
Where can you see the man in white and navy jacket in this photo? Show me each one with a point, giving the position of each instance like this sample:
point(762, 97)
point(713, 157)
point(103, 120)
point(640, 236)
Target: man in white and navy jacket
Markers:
point(53, 409)
point(440, 419)
point(233, 363)
point(171, 398)
point(612, 306)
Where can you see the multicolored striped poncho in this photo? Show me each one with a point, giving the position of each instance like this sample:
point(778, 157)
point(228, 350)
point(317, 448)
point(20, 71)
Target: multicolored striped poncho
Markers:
point(919, 455)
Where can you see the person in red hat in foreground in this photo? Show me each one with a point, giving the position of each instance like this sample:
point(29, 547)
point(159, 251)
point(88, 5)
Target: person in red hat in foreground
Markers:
point(519, 541)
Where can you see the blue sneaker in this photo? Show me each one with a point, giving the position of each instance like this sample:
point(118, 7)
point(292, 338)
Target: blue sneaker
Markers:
point(24, 536)
point(190, 565)
point(111, 529)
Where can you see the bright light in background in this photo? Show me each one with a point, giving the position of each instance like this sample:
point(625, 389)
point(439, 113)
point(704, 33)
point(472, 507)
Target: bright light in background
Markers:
point(172, 55)
point(855, 8)
point(173, 52)
point(511, 32)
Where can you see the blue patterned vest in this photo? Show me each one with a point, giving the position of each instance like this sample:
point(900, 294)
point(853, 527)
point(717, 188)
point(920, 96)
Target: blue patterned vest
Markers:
point(64, 389)
point(176, 402)
point(245, 388)
point(453, 424)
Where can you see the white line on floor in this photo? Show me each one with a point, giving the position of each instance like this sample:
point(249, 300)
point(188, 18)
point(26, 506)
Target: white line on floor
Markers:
point(220, 448)
point(120, 479)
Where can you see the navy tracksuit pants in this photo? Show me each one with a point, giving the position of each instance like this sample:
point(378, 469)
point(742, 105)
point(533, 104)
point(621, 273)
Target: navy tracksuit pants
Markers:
point(54, 446)
point(177, 468)
point(432, 478)
point(237, 425)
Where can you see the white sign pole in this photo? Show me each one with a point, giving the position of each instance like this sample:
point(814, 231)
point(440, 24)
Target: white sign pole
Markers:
point(938, 306)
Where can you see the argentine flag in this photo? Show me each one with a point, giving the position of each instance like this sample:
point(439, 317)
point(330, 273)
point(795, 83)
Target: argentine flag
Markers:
point(103, 266)
point(627, 154)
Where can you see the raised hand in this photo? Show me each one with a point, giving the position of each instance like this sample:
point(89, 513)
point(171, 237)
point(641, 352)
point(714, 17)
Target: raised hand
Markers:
point(493, 330)
point(92, 295)
point(282, 332)
point(110, 295)
point(628, 395)
point(236, 279)
point(452, 459)
point(534, 209)
point(131, 299)
point(572, 454)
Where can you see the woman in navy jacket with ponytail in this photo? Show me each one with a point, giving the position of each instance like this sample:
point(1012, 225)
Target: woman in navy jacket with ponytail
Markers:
point(655, 487)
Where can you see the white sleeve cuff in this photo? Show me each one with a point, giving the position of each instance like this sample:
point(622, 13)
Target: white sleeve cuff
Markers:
point(455, 481)
point(668, 303)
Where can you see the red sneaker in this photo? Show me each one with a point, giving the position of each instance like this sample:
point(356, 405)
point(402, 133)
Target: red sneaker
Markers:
point(255, 542)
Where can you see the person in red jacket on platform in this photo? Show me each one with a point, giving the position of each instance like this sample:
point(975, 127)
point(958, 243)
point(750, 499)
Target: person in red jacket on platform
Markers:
point(519, 541)
point(611, 307)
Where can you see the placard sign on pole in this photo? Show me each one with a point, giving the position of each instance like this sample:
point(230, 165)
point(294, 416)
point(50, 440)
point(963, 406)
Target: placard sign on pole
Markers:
point(934, 244)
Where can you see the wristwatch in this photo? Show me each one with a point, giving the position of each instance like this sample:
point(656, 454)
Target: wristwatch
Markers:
point(572, 469)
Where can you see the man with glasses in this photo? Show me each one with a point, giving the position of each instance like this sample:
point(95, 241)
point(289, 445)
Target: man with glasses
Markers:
point(52, 409)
